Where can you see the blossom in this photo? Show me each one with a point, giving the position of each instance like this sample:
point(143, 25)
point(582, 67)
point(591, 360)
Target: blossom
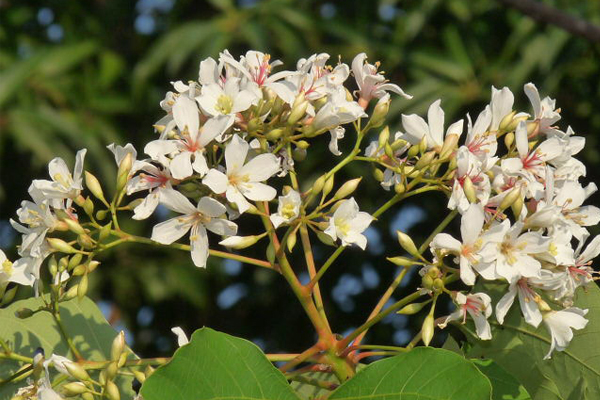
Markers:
point(337, 111)
point(471, 182)
point(543, 110)
point(347, 224)
point(154, 178)
point(433, 130)
point(36, 220)
point(528, 300)
point(474, 248)
point(501, 105)
point(372, 83)
point(206, 215)
point(64, 187)
point(228, 99)
point(189, 146)
point(287, 209)
point(560, 325)
point(243, 180)
point(477, 305)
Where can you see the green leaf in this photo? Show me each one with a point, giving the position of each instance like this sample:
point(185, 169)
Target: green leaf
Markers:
point(215, 365)
point(520, 348)
point(309, 385)
point(504, 385)
point(423, 373)
point(83, 322)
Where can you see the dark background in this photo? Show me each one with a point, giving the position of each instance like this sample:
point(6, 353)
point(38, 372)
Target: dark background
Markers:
point(88, 73)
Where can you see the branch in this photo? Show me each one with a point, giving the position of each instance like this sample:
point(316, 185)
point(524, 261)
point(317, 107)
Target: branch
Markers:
point(544, 13)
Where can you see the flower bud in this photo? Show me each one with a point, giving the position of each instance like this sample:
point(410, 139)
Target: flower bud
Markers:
point(254, 125)
point(74, 226)
point(509, 139)
point(85, 241)
point(318, 185)
point(423, 145)
point(380, 112)
point(74, 261)
point(79, 270)
point(413, 308)
point(133, 204)
point(111, 370)
point(76, 371)
point(291, 241)
point(427, 282)
point(347, 188)
point(9, 294)
point(92, 183)
point(88, 206)
point(517, 207)
point(112, 391)
point(299, 154)
point(510, 198)
point(61, 245)
point(274, 134)
point(124, 170)
point(533, 128)
point(384, 137)
point(72, 389)
point(402, 261)
point(399, 188)
point(325, 239)
point(428, 328)
point(71, 293)
point(240, 242)
point(469, 190)
point(302, 144)
point(298, 110)
point(328, 186)
point(515, 121)
point(438, 285)
point(100, 215)
point(271, 254)
point(506, 120)
point(82, 287)
point(118, 345)
point(425, 160)
point(104, 232)
point(413, 151)
point(92, 265)
point(139, 375)
point(387, 149)
point(378, 174)
point(450, 144)
point(407, 244)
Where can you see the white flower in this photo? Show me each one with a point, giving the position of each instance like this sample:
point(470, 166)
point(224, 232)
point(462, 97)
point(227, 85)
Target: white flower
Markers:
point(287, 209)
point(188, 148)
point(229, 99)
point(182, 338)
point(416, 127)
point(544, 110)
point(63, 185)
point(573, 214)
point(153, 178)
point(242, 180)
point(477, 305)
point(337, 111)
point(372, 83)
point(528, 299)
point(37, 219)
point(207, 215)
point(560, 323)
point(501, 105)
point(347, 224)
point(468, 167)
point(474, 248)
point(480, 141)
point(337, 133)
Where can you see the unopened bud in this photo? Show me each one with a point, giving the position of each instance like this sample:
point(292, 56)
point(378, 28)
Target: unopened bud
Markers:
point(82, 287)
point(379, 113)
point(92, 183)
point(427, 282)
point(124, 170)
point(118, 345)
point(100, 215)
point(325, 238)
point(76, 371)
point(402, 261)
point(87, 396)
point(506, 120)
point(291, 241)
point(111, 370)
point(79, 270)
point(347, 188)
point(450, 144)
point(438, 284)
point(240, 242)
point(271, 254)
point(9, 294)
point(298, 110)
point(302, 144)
point(53, 266)
point(413, 151)
point(92, 265)
point(407, 244)
point(74, 261)
point(139, 375)
point(274, 134)
point(469, 190)
point(423, 144)
point(104, 232)
point(517, 207)
point(71, 293)
point(299, 154)
point(378, 174)
point(74, 226)
point(112, 391)
point(85, 241)
point(88, 206)
point(533, 128)
point(413, 308)
point(255, 124)
point(514, 122)
point(428, 328)
point(384, 137)
point(61, 245)
point(425, 160)
point(509, 139)
point(510, 198)
point(387, 149)
point(74, 388)
point(318, 185)
point(133, 204)
point(328, 186)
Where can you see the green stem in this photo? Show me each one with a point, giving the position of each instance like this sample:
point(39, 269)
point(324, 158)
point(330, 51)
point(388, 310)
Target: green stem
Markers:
point(314, 382)
point(315, 279)
point(16, 357)
point(61, 328)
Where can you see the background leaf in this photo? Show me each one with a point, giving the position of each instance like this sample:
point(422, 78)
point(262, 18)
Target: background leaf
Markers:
point(215, 365)
point(422, 373)
point(504, 385)
point(83, 321)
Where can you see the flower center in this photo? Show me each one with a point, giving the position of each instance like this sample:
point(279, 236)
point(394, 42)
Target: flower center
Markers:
point(224, 104)
point(288, 211)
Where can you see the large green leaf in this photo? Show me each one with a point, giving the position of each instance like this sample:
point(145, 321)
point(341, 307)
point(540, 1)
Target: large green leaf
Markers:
point(519, 349)
point(83, 322)
point(215, 365)
point(504, 385)
point(423, 373)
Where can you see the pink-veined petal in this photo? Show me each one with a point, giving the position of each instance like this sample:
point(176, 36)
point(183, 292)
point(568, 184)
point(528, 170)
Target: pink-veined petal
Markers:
point(171, 230)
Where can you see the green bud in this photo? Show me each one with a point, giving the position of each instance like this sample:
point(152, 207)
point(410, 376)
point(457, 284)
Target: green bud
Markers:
point(111, 370)
point(378, 174)
point(328, 186)
point(428, 328)
point(92, 183)
point(397, 144)
point(413, 308)
point(509, 139)
point(240, 242)
point(123, 172)
point(112, 391)
point(302, 144)
point(139, 375)
point(298, 110)
point(427, 282)
point(77, 371)
point(318, 185)
point(387, 149)
point(510, 198)
point(87, 396)
point(517, 207)
point(9, 295)
point(450, 144)
point(384, 137)
point(274, 134)
point(514, 122)
point(271, 253)
point(438, 285)
point(88, 206)
point(291, 241)
point(79, 270)
point(72, 389)
point(423, 145)
point(379, 113)
point(118, 346)
point(506, 121)
point(71, 293)
point(74, 261)
point(92, 265)
point(53, 265)
point(82, 287)
point(85, 241)
point(254, 125)
point(325, 238)
point(407, 244)
point(74, 226)
point(402, 261)
point(347, 188)
point(299, 154)
point(425, 160)
point(61, 245)
point(469, 190)
point(413, 151)
point(399, 188)
point(533, 128)
point(100, 215)
point(133, 204)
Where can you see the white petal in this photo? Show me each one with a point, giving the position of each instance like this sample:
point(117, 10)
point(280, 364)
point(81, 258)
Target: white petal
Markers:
point(147, 206)
point(211, 207)
point(181, 165)
point(171, 230)
point(186, 115)
point(534, 97)
point(216, 181)
point(435, 119)
point(175, 201)
point(221, 227)
point(182, 338)
point(235, 154)
point(471, 223)
point(257, 191)
point(261, 167)
point(447, 242)
point(199, 245)
point(505, 303)
point(415, 127)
